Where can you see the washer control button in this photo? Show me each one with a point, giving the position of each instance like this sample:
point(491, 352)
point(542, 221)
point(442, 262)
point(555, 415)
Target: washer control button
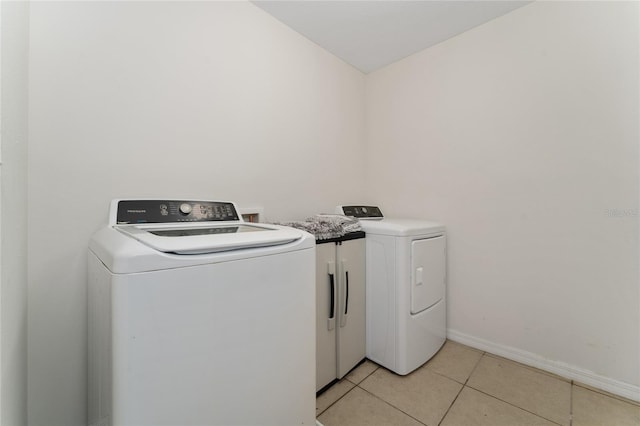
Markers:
point(185, 208)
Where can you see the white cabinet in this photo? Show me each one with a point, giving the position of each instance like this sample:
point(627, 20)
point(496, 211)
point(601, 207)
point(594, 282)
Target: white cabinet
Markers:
point(340, 307)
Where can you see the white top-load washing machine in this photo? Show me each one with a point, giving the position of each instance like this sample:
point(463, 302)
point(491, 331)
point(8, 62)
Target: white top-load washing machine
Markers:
point(405, 288)
point(197, 318)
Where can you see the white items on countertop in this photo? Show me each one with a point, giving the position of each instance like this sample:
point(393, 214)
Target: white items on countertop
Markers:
point(326, 226)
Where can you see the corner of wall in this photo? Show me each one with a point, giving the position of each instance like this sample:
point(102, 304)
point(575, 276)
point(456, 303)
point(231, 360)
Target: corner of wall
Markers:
point(14, 40)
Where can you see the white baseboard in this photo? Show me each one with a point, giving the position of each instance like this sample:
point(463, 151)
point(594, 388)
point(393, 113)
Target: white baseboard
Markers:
point(568, 371)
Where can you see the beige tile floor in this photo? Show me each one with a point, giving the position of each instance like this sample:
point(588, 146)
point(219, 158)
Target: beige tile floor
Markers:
point(462, 386)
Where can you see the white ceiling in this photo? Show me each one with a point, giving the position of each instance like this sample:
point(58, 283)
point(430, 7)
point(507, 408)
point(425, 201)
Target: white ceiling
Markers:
point(372, 34)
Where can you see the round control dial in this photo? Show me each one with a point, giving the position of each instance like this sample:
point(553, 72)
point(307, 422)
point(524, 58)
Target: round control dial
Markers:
point(185, 208)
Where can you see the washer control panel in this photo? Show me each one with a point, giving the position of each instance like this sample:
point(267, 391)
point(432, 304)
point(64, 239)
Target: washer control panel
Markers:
point(362, 212)
point(169, 211)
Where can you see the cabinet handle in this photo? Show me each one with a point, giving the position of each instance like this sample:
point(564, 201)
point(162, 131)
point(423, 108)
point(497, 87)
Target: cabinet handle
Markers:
point(346, 298)
point(331, 321)
point(343, 316)
point(332, 306)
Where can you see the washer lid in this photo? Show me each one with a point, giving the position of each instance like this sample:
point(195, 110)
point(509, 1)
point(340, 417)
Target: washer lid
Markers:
point(192, 226)
point(401, 227)
point(195, 238)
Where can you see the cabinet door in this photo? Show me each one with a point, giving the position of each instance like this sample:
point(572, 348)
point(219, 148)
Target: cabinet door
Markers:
point(351, 304)
point(326, 310)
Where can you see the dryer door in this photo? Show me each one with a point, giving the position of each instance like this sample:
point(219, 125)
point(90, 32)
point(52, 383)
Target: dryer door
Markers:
point(427, 272)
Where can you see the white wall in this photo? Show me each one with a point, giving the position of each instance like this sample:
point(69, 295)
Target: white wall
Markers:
point(13, 278)
point(521, 135)
point(214, 100)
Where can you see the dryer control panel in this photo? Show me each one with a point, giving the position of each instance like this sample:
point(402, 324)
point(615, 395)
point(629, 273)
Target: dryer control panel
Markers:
point(171, 211)
point(361, 212)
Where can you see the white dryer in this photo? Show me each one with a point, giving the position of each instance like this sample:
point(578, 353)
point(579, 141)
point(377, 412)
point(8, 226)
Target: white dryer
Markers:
point(405, 288)
point(197, 318)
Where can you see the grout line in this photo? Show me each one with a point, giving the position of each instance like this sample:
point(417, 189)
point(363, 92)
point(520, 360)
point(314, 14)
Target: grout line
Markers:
point(607, 394)
point(451, 405)
point(571, 405)
point(451, 378)
point(475, 367)
point(530, 367)
point(461, 389)
point(355, 385)
point(334, 402)
point(446, 377)
point(367, 376)
point(513, 405)
point(465, 385)
point(391, 405)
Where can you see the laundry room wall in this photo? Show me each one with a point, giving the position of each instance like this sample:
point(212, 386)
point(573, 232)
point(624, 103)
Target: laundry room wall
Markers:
point(521, 135)
point(14, 36)
point(166, 99)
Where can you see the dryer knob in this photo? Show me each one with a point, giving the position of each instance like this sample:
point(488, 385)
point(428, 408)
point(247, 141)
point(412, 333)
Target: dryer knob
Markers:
point(185, 208)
